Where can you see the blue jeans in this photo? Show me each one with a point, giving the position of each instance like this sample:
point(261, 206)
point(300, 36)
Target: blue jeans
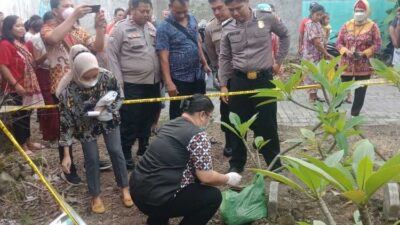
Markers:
point(91, 154)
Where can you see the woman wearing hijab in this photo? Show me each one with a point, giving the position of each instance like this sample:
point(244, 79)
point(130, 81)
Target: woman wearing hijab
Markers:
point(314, 45)
point(359, 39)
point(90, 99)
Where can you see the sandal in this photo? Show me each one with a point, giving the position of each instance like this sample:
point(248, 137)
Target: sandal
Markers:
point(97, 208)
point(128, 202)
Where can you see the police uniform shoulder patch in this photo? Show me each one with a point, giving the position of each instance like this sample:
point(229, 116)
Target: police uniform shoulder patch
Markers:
point(226, 22)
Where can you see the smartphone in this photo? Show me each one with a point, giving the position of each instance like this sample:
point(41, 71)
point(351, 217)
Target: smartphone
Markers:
point(95, 8)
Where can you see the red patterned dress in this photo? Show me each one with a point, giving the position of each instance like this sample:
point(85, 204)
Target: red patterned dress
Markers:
point(365, 39)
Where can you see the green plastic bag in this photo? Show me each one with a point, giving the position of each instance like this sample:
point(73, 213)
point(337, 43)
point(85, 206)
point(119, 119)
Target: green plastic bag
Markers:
point(246, 206)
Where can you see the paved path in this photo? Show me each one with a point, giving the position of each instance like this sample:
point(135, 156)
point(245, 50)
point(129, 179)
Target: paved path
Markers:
point(382, 107)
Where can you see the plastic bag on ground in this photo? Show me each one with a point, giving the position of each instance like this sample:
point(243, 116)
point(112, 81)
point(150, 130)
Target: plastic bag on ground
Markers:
point(246, 206)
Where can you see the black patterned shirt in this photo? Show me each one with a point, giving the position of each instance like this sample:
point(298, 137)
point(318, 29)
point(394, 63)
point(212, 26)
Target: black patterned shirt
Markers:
point(200, 158)
point(74, 104)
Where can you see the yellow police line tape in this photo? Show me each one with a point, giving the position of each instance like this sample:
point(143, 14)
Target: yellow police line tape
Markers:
point(69, 211)
point(9, 109)
point(64, 206)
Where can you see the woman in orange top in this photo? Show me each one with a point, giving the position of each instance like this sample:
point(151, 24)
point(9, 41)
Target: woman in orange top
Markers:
point(359, 39)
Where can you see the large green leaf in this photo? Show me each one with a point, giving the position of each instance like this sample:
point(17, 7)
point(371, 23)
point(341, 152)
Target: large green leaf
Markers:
point(235, 120)
point(356, 196)
point(280, 85)
point(233, 130)
point(317, 170)
point(314, 183)
point(260, 142)
point(310, 66)
point(334, 159)
point(280, 178)
point(265, 93)
point(293, 82)
point(342, 176)
point(354, 121)
point(395, 160)
point(364, 171)
point(244, 128)
point(361, 149)
point(380, 178)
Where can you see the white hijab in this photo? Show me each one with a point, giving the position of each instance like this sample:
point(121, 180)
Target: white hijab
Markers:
point(81, 61)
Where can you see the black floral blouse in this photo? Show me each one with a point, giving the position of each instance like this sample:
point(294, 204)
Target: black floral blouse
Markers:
point(74, 104)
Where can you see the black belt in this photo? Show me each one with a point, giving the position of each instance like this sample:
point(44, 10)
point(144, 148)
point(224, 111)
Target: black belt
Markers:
point(254, 75)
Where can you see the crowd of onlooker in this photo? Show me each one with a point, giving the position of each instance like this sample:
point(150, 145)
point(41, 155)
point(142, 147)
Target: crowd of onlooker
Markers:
point(51, 59)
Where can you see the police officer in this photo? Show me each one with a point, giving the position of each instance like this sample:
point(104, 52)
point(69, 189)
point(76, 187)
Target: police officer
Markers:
point(213, 34)
point(133, 59)
point(246, 50)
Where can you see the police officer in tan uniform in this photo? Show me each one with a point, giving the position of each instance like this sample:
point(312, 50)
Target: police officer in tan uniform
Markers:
point(213, 34)
point(134, 61)
point(246, 50)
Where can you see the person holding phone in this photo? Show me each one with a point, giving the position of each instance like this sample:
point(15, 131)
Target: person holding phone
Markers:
point(90, 99)
point(59, 37)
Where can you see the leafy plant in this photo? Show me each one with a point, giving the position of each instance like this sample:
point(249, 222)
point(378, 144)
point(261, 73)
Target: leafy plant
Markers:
point(240, 130)
point(359, 182)
point(310, 184)
point(389, 73)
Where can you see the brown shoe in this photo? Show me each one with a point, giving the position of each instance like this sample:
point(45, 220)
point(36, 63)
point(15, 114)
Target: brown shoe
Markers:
point(97, 208)
point(128, 202)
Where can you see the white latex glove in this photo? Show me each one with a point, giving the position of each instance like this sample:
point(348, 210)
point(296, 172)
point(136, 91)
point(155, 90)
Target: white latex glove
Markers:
point(233, 179)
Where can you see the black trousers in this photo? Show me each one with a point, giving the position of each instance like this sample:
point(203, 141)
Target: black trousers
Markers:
point(61, 148)
point(266, 124)
point(224, 111)
point(185, 88)
point(359, 93)
point(21, 125)
point(197, 204)
point(137, 119)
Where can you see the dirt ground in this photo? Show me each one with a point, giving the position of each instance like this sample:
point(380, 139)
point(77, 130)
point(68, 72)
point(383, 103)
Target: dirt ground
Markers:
point(31, 204)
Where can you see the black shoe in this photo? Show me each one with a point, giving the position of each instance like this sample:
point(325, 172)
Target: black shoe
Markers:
point(72, 178)
point(104, 165)
point(227, 152)
point(235, 169)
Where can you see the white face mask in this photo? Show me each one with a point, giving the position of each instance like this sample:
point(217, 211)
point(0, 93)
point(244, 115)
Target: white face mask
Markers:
point(360, 16)
point(68, 12)
point(88, 84)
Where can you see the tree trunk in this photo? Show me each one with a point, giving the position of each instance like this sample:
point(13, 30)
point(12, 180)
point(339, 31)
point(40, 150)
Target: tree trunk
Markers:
point(326, 212)
point(364, 215)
